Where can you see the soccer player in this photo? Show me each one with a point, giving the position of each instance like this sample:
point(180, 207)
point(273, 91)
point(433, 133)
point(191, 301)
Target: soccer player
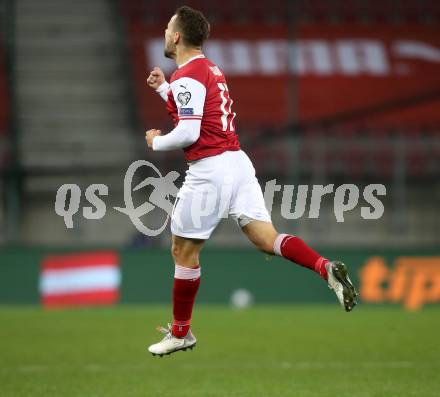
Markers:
point(200, 105)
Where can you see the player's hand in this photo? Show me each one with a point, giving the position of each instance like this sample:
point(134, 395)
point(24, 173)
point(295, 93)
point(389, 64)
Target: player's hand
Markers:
point(156, 78)
point(150, 134)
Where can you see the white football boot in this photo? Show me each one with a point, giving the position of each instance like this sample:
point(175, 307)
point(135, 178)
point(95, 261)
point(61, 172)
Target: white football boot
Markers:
point(170, 344)
point(340, 283)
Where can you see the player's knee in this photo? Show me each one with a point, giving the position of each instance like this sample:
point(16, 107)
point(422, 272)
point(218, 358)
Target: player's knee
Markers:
point(264, 242)
point(183, 254)
point(175, 251)
point(265, 245)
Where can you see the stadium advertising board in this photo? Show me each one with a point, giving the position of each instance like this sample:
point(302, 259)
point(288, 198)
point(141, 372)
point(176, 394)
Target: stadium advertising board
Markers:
point(407, 278)
point(81, 279)
point(413, 281)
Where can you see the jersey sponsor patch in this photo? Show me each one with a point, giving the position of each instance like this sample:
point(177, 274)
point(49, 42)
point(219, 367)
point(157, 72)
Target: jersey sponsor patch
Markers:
point(184, 97)
point(186, 111)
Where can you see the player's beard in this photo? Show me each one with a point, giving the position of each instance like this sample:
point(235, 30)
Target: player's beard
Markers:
point(169, 51)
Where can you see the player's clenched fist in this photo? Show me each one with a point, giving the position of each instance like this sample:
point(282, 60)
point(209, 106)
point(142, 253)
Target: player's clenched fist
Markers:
point(150, 134)
point(156, 78)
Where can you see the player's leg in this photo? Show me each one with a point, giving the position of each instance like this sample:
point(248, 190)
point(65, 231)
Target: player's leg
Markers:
point(191, 226)
point(185, 252)
point(249, 210)
point(261, 234)
point(266, 239)
point(178, 336)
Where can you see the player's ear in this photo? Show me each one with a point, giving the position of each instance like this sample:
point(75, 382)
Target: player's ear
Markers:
point(176, 37)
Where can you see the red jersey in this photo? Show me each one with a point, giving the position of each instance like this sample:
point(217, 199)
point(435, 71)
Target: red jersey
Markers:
point(198, 91)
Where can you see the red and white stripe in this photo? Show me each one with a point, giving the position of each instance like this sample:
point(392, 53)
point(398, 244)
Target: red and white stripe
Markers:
point(190, 117)
point(80, 279)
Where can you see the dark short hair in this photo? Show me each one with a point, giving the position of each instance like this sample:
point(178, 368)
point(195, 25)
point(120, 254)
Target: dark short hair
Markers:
point(193, 25)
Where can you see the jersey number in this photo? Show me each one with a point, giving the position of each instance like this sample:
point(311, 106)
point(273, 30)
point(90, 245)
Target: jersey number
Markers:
point(226, 108)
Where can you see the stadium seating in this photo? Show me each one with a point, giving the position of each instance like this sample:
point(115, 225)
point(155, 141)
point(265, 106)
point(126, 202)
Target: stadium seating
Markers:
point(3, 90)
point(3, 108)
point(258, 11)
point(363, 153)
point(3, 95)
point(350, 145)
point(71, 86)
point(83, 104)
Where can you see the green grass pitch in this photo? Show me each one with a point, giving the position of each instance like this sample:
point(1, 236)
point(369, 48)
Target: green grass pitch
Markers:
point(301, 351)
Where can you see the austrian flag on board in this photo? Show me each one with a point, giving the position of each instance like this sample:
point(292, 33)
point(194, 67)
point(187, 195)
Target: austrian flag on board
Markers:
point(80, 279)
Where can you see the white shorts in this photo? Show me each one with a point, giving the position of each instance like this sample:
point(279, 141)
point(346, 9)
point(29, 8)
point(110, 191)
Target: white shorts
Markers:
point(214, 188)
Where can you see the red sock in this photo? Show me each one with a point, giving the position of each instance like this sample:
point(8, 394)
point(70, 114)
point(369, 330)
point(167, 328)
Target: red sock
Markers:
point(186, 285)
point(295, 249)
